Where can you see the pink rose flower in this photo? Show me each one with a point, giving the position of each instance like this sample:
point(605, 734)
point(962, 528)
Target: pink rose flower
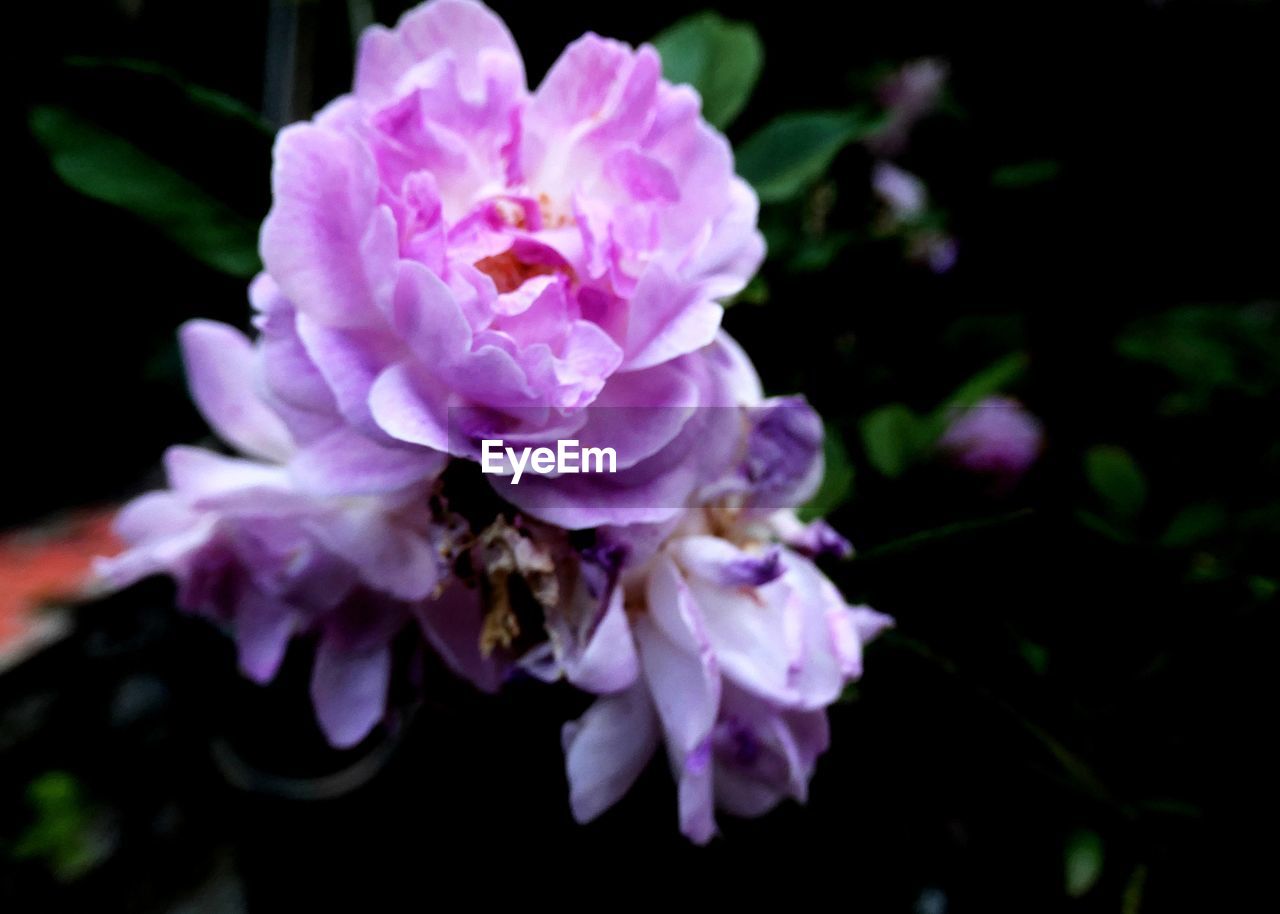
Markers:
point(467, 259)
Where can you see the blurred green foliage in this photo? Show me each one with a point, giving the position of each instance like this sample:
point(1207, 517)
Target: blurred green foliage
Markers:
point(719, 58)
point(1160, 458)
point(1209, 351)
point(795, 150)
point(1115, 477)
point(66, 834)
point(1026, 174)
point(1084, 857)
point(106, 167)
point(217, 103)
point(837, 480)
point(894, 438)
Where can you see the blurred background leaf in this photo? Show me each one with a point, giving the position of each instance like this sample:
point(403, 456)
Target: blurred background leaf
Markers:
point(995, 378)
point(66, 834)
point(1083, 862)
point(1209, 350)
point(837, 480)
point(218, 103)
point(795, 150)
point(1194, 524)
point(1026, 174)
point(894, 437)
point(106, 167)
point(1115, 477)
point(720, 58)
point(1046, 207)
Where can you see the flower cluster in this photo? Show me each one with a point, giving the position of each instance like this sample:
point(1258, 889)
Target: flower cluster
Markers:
point(451, 258)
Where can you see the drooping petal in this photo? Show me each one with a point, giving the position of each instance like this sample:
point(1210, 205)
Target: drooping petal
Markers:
point(198, 473)
point(349, 690)
point(607, 748)
point(389, 557)
point(344, 462)
point(451, 623)
point(262, 629)
point(696, 794)
point(685, 687)
point(607, 661)
point(221, 365)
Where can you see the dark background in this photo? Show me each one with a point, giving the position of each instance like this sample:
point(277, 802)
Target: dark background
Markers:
point(1061, 682)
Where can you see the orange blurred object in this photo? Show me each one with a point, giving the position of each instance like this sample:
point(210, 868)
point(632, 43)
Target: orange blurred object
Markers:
point(48, 564)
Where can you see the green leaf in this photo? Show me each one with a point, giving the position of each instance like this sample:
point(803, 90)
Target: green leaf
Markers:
point(815, 256)
point(1035, 655)
point(103, 166)
point(1195, 524)
point(794, 150)
point(1263, 588)
point(991, 380)
point(923, 539)
point(1116, 478)
point(1208, 350)
point(1026, 174)
point(219, 103)
point(1102, 527)
point(64, 833)
point(894, 437)
point(837, 478)
point(1083, 862)
point(718, 57)
point(1131, 901)
point(755, 293)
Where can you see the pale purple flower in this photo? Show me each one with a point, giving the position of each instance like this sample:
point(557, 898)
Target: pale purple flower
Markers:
point(776, 447)
point(814, 539)
point(738, 646)
point(715, 636)
point(937, 250)
point(467, 259)
point(902, 193)
point(911, 93)
point(255, 545)
point(690, 432)
point(452, 258)
point(996, 438)
point(779, 462)
point(906, 213)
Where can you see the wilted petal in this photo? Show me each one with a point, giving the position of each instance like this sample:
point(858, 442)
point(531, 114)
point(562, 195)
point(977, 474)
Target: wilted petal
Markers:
point(263, 627)
point(452, 623)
